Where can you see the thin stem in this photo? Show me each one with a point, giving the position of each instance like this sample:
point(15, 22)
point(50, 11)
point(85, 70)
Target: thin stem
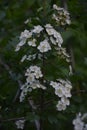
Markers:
point(13, 119)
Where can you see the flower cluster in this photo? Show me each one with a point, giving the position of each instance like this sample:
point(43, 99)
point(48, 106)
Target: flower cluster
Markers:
point(33, 73)
point(63, 54)
point(61, 16)
point(79, 123)
point(50, 36)
point(55, 36)
point(20, 124)
point(43, 39)
point(63, 91)
point(29, 57)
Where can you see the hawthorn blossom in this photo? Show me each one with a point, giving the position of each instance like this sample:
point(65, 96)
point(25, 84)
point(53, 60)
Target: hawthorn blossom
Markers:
point(61, 106)
point(32, 43)
point(44, 46)
point(31, 57)
point(65, 101)
point(79, 123)
point(26, 34)
point(23, 58)
point(33, 73)
point(61, 16)
point(20, 44)
point(55, 36)
point(63, 91)
point(37, 29)
point(41, 39)
point(23, 37)
point(20, 124)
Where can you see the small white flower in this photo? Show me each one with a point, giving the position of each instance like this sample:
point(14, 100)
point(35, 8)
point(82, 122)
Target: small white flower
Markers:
point(37, 29)
point(60, 106)
point(53, 40)
point(20, 44)
point(30, 78)
point(49, 29)
point(31, 57)
point(57, 8)
point(78, 124)
point(23, 58)
point(20, 124)
point(54, 84)
point(70, 70)
point(37, 85)
point(59, 91)
point(44, 46)
point(32, 43)
point(26, 34)
point(65, 101)
point(61, 16)
point(17, 48)
point(58, 37)
point(32, 73)
point(27, 21)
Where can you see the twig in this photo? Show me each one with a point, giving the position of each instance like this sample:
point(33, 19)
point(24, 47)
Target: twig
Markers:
point(13, 119)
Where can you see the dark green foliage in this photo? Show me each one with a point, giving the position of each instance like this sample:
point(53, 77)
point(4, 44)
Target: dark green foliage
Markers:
point(13, 13)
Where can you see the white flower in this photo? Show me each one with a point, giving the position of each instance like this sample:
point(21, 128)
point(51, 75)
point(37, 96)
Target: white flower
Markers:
point(59, 91)
point(61, 16)
point(33, 72)
point(25, 89)
point(17, 48)
point(20, 124)
point(37, 85)
point(57, 36)
point(54, 84)
point(70, 70)
point(62, 90)
point(20, 44)
point(60, 106)
point(23, 58)
point(48, 26)
point(65, 101)
point(53, 40)
point(27, 21)
point(31, 57)
point(78, 124)
point(37, 29)
point(32, 43)
point(49, 29)
point(56, 7)
point(26, 34)
point(44, 46)
point(30, 78)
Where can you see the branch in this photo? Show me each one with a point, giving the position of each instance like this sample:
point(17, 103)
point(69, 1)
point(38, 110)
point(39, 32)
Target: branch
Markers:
point(13, 119)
